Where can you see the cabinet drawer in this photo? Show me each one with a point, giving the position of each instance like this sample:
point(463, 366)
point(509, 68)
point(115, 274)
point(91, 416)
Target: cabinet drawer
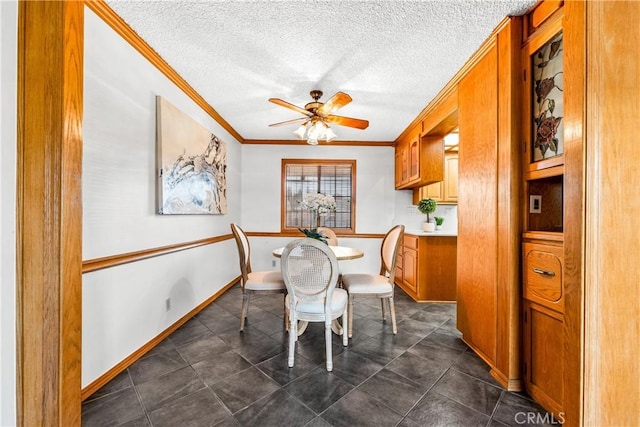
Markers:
point(410, 242)
point(543, 275)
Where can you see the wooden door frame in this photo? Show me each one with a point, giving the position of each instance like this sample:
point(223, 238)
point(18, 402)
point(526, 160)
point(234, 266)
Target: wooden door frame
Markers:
point(49, 212)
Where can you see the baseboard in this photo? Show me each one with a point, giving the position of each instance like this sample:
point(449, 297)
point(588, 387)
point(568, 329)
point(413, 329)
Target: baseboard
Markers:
point(124, 364)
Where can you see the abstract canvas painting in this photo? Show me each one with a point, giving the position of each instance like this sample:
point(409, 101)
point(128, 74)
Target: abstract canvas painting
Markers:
point(192, 164)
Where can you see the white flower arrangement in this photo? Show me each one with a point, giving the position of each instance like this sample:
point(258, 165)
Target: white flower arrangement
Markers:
point(322, 204)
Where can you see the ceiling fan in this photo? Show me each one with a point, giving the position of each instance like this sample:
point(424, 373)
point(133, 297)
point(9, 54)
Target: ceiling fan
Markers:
point(317, 114)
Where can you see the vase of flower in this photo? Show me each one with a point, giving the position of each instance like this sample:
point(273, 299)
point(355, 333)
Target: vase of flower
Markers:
point(318, 205)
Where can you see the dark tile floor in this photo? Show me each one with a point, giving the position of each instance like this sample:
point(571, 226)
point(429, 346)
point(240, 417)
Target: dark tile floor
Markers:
point(207, 373)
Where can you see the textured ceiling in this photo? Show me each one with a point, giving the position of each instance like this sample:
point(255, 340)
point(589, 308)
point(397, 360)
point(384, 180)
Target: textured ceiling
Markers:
point(392, 57)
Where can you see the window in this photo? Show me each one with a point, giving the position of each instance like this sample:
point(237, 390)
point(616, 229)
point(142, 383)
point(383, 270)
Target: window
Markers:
point(334, 177)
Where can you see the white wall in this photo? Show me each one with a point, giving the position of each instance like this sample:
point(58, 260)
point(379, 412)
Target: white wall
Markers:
point(8, 123)
point(377, 203)
point(124, 306)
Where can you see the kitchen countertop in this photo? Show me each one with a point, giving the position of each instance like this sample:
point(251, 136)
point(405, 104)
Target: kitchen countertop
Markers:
point(436, 233)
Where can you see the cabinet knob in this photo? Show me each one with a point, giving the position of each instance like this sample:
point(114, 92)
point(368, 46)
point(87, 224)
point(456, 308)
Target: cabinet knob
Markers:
point(544, 272)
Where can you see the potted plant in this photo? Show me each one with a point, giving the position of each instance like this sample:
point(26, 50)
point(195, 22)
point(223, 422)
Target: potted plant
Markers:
point(427, 206)
point(439, 221)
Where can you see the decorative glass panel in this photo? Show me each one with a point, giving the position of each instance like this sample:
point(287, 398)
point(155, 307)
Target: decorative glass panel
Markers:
point(547, 100)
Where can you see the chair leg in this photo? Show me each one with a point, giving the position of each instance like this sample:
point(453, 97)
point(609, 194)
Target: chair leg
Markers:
point(293, 337)
point(327, 343)
point(244, 311)
point(345, 321)
point(286, 313)
point(392, 309)
point(350, 316)
point(384, 313)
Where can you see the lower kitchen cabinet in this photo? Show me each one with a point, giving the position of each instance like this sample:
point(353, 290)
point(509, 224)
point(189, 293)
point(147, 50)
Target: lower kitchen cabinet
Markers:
point(426, 267)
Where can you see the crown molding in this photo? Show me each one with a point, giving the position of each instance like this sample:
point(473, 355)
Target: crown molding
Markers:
point(111, 18)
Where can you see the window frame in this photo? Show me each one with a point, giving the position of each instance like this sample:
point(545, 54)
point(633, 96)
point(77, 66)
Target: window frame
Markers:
point(318, 162)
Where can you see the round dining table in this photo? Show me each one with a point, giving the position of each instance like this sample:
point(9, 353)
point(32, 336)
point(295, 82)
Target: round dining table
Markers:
point(343, 253)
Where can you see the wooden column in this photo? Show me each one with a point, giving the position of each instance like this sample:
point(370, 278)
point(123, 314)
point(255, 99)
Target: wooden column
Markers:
point(612, 220)
point(49, 212)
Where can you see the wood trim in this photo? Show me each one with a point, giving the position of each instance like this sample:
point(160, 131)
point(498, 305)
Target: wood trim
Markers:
point(96, 264)
point(486, 46)
point(49, 212)
point(611, 269)
point(100, 8)
point(125, 258)
point(128, 361)
point(320, 143)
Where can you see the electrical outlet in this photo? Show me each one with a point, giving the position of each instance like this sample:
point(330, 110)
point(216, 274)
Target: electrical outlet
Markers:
point(535, 204)
point(273, 263)
point(167, 304)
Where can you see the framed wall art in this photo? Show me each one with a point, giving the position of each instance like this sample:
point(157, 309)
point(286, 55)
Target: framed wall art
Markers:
point(192, 165)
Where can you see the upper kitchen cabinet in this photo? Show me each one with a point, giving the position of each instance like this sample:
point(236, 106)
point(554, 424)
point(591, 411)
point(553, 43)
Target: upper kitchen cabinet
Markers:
point(420, 158)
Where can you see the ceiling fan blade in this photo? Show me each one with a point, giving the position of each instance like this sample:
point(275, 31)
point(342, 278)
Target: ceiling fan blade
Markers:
point(291, 122)
point(347, 121)
point(338, 100)
point(290, 106)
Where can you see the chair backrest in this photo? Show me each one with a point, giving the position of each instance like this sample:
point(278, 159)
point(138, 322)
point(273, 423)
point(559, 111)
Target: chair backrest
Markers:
point(332, 239)
point(244, 251)
point(389, 251)
point(310, 271)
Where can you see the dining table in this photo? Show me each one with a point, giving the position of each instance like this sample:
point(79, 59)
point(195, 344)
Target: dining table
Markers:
point(343, 253)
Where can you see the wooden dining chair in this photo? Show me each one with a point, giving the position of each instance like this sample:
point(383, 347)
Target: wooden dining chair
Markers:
point(379, 285)
point(332, 239)
point(310, 272)
point(253, 281)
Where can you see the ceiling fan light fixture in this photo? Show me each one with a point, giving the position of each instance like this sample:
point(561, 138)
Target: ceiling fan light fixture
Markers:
point(329, 134)
point(316, 114)
point(301, 131)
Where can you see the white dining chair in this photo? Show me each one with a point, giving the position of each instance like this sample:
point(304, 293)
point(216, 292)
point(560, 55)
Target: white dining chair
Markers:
point(379, 285)
point(332, 239)
point(253, 281)
point(310, 272)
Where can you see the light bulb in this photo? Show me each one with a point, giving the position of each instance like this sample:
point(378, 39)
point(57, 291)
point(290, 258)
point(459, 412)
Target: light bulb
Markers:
point(301, 130)
point(329, 135)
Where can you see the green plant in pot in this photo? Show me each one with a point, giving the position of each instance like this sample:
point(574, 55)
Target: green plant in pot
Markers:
point(439, 221)
point(427, 207)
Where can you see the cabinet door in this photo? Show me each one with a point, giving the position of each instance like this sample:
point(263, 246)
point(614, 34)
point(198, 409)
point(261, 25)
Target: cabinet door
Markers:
point(450, 184)
point(402, 165)
point(543, 355)
point(414, 160)
point(433, 191)
point(410, 269)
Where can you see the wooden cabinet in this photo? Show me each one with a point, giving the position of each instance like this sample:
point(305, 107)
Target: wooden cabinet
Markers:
point(543, 320)
point(488, 273)
point(402, 164)
point(419, 160)
point(543, 292)
point(426, 267)
point(445, 191)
